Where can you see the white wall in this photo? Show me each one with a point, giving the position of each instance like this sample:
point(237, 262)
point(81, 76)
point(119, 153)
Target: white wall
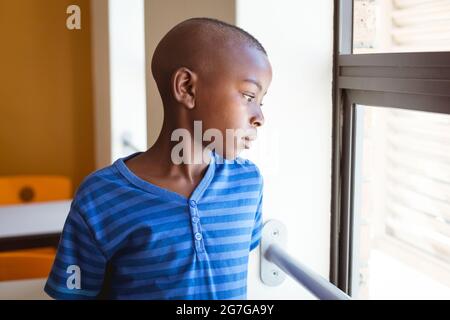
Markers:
point(127, 76)
point(100, 77)
point(119, 79)
point(298, 36)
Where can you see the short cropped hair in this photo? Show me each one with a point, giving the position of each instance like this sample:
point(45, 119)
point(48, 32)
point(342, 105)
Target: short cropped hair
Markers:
point(224, 27)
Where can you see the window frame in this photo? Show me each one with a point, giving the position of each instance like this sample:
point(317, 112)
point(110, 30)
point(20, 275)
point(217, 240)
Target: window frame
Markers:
point(412, 81)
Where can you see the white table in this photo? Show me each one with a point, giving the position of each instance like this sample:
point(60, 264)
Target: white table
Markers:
point(33, 219)
point(27, 225)
point(31, 225)
point(32, 289)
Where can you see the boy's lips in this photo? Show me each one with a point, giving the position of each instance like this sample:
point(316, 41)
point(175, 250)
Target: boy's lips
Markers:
point(250, 138)
point(248, 141)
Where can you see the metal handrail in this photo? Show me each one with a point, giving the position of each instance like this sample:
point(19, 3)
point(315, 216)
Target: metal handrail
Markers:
point(127, 143)
point(315, 283)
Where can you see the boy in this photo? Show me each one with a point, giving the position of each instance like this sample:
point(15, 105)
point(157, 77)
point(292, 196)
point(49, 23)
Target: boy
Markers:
point(153, 227)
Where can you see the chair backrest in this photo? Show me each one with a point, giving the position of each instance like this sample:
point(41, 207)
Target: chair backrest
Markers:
point(34, 188)
point(25, 265)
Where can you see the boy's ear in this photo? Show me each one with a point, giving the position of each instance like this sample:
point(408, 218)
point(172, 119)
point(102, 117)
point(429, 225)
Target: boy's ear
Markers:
point(184, 82)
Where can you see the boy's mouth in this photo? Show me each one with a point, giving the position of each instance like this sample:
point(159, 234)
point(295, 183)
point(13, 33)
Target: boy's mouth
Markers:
point(248, 141)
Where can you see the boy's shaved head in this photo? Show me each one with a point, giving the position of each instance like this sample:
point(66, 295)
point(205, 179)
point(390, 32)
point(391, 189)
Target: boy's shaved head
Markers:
point(210, 71)
point(197, 44)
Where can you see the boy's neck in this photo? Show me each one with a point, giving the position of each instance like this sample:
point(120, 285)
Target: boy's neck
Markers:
point(158, 158)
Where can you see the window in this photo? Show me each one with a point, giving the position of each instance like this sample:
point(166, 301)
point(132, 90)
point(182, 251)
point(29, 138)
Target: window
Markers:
point(391, 152)
point(401, 204)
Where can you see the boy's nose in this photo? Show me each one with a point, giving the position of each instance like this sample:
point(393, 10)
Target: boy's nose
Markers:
point(258, 120)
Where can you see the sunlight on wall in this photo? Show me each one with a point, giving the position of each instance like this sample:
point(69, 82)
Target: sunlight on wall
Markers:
point(293, 150)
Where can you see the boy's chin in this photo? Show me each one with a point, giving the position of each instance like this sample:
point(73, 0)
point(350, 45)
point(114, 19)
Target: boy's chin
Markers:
point(229, 155)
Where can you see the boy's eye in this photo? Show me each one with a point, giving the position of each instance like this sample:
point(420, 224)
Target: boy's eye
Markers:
point(248, 97)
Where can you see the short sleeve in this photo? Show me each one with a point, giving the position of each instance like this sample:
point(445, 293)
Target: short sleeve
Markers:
point(79, 267)
point(257, 228)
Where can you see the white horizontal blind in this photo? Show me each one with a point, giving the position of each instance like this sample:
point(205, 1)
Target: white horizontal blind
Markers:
point(420, 25)
point(401, 26)
point(418, 143)
point(418, 180)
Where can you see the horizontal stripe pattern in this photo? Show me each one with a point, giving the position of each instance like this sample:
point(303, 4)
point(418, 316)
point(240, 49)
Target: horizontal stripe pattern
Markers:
point(134, 240)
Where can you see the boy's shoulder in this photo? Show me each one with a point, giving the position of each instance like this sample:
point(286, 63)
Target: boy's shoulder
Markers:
point(97, 184)
point(241, 165)
point(248, 165)
point(245, 163)
point(104, 175)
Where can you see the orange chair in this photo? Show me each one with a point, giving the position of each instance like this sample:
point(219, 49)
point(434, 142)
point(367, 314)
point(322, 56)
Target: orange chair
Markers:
point(24, 265)
point(27, 189)
point(33, 188)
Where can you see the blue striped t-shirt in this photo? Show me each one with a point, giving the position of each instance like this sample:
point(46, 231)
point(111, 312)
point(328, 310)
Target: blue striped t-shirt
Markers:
point(126, 238)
